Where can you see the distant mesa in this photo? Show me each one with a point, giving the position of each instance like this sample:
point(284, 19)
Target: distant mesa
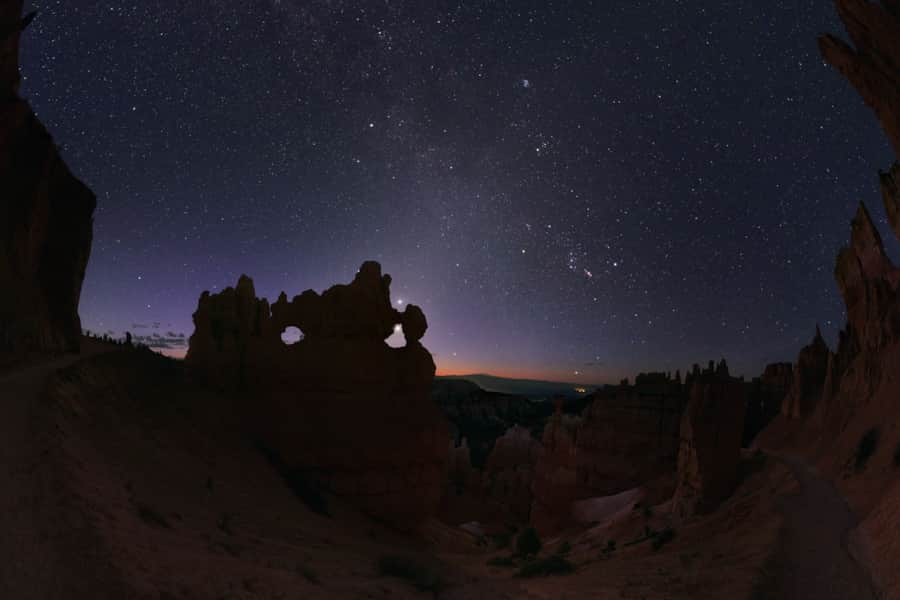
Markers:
point(46, 218)
point(341, 407)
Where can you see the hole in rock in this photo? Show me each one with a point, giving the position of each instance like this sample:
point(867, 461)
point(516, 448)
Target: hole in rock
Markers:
point(291, 335)
point(396, 339)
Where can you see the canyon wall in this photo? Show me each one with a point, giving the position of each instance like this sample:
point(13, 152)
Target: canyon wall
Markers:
point(499, 493)
point(849, 424)
point(46, 221)
point(629, 435)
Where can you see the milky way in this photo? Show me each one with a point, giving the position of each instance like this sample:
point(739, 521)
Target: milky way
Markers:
point(569, 190)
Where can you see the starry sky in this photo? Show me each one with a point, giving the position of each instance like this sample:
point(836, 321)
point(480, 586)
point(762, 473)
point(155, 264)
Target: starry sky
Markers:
point(571, 190)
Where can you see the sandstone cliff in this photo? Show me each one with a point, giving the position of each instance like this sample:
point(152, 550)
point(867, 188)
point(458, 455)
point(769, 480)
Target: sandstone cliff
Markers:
point(710, 447)
point(629, 435)
point(340, 408)
point(45, 221)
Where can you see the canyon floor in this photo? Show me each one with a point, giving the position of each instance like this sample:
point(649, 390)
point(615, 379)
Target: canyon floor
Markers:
point(128, 480)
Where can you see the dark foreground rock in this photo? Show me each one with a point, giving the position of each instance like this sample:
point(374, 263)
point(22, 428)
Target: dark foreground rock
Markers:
point(340, 408)
point(46, 217)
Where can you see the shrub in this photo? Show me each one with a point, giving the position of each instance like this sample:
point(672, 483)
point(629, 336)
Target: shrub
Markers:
point(610, 547)
point(564, 548)
point(663, 537)
point(502, 561)
point(866, 447)
point(528, 543)
point(308, 574)
point(422, 576)
point(224, 524)
point(503, 539)
point(152, 517)
point(551, 565)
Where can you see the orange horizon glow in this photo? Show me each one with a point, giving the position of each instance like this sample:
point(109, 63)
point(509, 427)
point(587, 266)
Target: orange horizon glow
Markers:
point(512, 373)
point(458, 370)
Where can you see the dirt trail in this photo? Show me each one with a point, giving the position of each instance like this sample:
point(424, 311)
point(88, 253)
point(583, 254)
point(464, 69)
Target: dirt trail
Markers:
point(812, 560)
point(33, 534)
point(25, 557)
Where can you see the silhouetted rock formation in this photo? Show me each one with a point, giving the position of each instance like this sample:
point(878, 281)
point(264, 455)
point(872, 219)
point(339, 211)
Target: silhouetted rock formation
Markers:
point(710, 448)
point(45, 221)
point(340, 407)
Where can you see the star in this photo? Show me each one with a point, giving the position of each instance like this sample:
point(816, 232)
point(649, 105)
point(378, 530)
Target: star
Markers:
point(270, 164)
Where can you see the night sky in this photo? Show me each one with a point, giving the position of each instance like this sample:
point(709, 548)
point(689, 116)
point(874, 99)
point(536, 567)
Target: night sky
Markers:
point(575, 190)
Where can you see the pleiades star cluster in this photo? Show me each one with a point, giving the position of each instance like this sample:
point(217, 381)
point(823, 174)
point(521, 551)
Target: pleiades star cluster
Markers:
point(570, 190)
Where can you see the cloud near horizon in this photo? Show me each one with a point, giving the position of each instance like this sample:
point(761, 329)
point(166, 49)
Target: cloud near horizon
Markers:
point(170, 341)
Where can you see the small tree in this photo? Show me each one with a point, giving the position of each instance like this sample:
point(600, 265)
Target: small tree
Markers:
point(866, 447)
point(528, 543)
